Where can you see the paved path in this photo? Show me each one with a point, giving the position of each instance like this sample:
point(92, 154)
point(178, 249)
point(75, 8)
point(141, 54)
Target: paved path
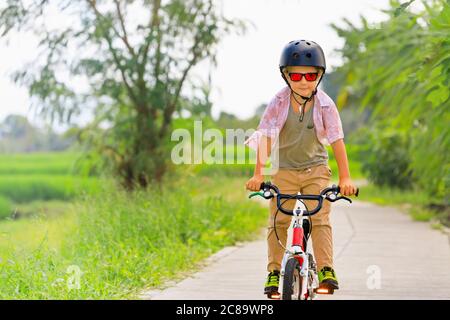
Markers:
point(380, 253)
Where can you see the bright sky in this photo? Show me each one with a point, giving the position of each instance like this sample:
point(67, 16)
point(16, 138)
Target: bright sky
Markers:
point(247, 73)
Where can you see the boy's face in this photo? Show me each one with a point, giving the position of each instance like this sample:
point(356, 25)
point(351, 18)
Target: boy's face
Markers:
point(303, 87)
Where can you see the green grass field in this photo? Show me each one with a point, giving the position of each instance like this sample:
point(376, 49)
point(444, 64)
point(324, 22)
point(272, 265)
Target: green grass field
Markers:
point(25, 178)
point(56, 163)
point(25, 188)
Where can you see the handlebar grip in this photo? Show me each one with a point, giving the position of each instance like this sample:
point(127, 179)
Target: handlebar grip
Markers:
point(339, 190)
point(255, 194)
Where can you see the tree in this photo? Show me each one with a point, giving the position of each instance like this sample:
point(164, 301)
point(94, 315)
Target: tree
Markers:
point(134, 56)
point(15, 127)
point(17, 134)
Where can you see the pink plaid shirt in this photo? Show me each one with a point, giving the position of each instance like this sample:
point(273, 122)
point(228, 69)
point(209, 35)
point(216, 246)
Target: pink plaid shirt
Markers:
point(326, 119)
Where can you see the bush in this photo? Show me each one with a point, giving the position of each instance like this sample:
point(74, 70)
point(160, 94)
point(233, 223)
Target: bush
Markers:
point(385, 158)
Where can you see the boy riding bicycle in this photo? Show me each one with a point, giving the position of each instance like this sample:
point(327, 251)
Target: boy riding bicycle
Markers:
point(297, 123)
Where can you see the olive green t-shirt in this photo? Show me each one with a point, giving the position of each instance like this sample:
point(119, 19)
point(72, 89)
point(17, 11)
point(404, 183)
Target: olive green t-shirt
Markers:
point(299, 147)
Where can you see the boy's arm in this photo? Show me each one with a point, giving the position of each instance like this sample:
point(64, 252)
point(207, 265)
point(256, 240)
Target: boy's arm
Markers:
point(263, 153)
point(345, 183)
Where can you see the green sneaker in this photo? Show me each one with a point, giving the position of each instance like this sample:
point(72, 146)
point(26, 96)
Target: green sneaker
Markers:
point(272, 283)
point(328, 279)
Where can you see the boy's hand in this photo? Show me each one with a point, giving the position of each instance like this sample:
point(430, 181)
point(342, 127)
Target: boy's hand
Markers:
point(254, 183)
point(347, 187)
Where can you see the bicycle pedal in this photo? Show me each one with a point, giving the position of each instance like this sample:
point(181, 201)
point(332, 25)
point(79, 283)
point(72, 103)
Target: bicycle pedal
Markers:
point(324, 290)
point(274, 295)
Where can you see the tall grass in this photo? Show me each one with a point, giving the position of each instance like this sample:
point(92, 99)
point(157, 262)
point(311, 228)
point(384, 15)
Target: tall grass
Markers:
point(123, 242)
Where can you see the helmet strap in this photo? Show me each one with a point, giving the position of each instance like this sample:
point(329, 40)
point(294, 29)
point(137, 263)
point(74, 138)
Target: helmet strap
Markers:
point(306, 99)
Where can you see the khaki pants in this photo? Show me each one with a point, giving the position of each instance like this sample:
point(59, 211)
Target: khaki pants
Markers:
point(308, 181)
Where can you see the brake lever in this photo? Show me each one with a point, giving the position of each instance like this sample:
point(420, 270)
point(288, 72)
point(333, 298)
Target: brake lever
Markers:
point(345, 198)
point(333, 197)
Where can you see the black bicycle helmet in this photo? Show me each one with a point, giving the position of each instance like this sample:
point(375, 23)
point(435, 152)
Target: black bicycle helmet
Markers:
point(302, 53)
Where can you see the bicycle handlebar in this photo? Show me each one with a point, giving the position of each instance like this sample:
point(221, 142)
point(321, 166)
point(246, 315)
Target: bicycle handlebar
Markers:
point(329, 194)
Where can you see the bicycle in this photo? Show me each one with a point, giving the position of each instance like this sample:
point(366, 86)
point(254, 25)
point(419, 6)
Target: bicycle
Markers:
point(298, 267)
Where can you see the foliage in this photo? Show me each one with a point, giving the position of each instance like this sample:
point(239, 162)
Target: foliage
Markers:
point(400, 70)
point(134, 60)
point(385, 158)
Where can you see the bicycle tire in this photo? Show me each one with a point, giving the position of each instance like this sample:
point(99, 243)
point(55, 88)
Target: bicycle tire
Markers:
point(292, 281)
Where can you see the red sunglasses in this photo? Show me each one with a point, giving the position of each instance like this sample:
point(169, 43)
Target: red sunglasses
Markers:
point(310, 76)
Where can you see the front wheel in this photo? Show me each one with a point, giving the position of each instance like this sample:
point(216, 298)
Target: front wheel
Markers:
point(292, 281)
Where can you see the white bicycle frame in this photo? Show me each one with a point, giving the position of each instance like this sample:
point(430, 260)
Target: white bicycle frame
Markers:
point(291, 251)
